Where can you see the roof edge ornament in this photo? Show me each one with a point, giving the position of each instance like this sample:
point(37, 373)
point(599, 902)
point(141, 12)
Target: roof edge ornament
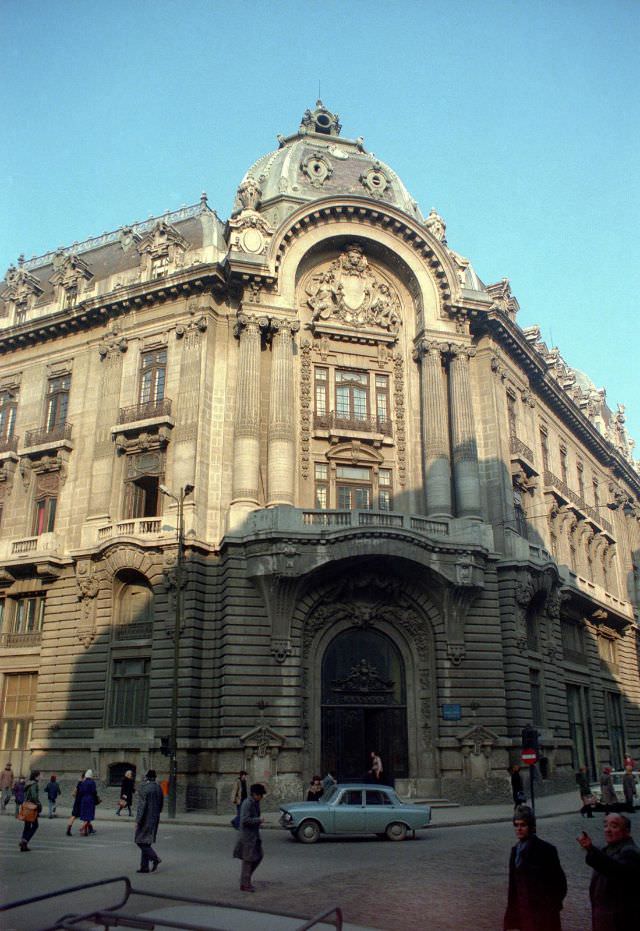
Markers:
point(320, 120)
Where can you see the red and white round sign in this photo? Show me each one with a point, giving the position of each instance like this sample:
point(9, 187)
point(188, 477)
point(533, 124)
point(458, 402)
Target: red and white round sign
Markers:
point(529, 757)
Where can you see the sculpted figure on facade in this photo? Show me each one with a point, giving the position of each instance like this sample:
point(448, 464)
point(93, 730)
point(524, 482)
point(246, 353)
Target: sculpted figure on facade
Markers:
point(349, 291)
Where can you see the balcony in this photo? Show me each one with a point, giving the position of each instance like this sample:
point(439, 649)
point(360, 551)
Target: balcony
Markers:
point(344, 427)
point(11, 641)
point(137, 527)
point(568, 496)
point(147, 411)
point(523, 454)
point(9, 444)
point(46, 437)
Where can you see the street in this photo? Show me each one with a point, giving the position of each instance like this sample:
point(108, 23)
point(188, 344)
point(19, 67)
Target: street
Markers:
point(448, 879)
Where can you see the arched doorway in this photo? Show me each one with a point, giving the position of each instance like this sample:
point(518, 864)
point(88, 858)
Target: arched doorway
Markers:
point(364, 705)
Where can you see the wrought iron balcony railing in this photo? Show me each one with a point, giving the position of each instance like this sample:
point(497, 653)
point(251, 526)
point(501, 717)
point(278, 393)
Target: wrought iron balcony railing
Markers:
point(11, 640)
point(9, 444)
point(334, 421)
point(551, 480)
point(61, 431)
point(144, 411)
point(518, 448)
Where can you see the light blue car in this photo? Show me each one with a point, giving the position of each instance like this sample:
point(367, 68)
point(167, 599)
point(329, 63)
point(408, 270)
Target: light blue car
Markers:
point(354, 809)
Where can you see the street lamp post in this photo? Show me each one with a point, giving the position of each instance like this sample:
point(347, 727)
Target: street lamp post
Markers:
point(173, 737)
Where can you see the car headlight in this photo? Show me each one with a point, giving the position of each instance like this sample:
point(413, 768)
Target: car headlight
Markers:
point(286, 817)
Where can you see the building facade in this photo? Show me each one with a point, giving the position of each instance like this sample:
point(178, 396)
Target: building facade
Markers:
point(413, 527)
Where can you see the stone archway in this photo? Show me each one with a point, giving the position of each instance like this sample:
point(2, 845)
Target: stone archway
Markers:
point(364, 705)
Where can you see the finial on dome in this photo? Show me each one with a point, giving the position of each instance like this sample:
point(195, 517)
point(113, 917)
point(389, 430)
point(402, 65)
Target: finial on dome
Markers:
point(321, 120)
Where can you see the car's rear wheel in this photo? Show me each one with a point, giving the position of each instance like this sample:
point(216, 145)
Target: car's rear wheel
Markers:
point(396, 831)
point(308, 832)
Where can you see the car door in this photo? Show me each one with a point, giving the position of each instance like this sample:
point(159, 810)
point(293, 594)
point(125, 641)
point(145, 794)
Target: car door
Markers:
point(378, 811)
point(349, 813)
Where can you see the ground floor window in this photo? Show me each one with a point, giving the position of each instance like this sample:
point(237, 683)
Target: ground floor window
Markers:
point(580, 727)
point(535, 688)
point(18, 708)
point(129, 692)
point(613, 708)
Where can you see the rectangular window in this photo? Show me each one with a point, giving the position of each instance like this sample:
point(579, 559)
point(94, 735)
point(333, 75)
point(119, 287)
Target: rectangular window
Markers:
point(383, 408)
point(535, 690)
point(28, 615)
point(18, 707)
point(57, 401)
point(353, 488)
point(596, 493)
point(580, 471)
point(385, 502)
point(142, 497)
point(153, 371)
point(322, 392)
point(544, 446)
point(352, 395)
point(573, 645)
point(521, 528)
point(160, 266)
point(130, 691)
point(608, 651)
point(8, 410)
point(44, 517)
point(564, 464)
point(615, 724)
point(322, 485)
point(512, 414)
point(577, 708)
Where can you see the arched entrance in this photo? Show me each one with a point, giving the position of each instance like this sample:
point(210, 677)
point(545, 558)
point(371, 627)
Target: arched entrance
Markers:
point(364, 705)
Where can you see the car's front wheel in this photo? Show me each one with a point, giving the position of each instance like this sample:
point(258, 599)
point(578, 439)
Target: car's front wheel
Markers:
point(308, 832)
point(396, 831)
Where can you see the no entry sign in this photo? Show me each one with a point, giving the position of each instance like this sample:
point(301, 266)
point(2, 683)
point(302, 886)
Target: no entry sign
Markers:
point(529, 757)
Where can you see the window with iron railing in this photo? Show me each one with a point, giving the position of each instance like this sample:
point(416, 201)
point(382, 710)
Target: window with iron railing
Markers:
point(544, 446)
point(361, 400)
point(57, 402)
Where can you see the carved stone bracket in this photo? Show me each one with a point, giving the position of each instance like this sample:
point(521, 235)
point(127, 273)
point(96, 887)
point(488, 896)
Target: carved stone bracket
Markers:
point(280, 595)
point(114, 343)
point(88, 588)
point(457, 600)
point(262, 741)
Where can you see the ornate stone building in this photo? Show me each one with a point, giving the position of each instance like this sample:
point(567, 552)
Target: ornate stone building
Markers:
point(413, 527)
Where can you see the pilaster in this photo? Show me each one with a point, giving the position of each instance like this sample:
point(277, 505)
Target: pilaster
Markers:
point(466, 475)
point(434, 428)
point(281, 450)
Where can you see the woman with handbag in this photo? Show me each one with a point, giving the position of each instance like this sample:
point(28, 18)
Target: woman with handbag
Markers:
point(88, 794)
point(29, 811)
point(127, 789)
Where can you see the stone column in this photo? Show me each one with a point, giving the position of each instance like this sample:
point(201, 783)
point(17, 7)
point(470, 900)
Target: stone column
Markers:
point(466, 475)
point(246, 447)
point(281, 452)
point(435, 428)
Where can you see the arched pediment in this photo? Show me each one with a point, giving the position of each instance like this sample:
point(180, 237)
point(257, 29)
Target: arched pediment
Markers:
point(354, 451)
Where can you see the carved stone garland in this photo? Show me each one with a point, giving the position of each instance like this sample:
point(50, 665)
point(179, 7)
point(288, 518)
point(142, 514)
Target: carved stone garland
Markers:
point(305, 406)
point(400, 422)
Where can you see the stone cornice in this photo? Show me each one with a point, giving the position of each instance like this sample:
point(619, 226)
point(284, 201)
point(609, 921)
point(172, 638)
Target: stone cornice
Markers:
point(94, 311)
point(514, 342)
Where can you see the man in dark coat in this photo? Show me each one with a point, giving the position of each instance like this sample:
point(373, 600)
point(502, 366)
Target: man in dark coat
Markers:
point(150, 802)
point(537, 884)
point(248, 847)
point(615, 884)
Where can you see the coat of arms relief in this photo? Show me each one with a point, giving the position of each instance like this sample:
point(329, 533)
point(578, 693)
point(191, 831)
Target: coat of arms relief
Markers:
point(351, 292)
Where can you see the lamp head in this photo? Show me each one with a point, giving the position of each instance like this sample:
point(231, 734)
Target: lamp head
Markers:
point(164, 490)
point(188, 488)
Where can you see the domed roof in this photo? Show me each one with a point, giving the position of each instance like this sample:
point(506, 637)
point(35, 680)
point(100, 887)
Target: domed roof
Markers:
point(316, 163)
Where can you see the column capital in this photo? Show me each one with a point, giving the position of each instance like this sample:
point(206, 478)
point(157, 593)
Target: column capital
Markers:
point(422, 347)
point(461, 351)
point(250, 323)
point(284, 325)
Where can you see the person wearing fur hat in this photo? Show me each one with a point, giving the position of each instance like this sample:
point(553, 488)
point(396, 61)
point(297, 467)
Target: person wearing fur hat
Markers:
point(537, 883)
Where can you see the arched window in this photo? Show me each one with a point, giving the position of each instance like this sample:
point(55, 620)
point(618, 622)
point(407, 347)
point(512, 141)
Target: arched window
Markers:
point(133, 607)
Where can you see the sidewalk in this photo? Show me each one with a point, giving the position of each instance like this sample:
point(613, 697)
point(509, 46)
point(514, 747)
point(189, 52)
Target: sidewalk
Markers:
point(546, 807)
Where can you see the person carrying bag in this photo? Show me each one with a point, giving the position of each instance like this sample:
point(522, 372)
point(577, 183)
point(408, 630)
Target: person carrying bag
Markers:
point(29, 811)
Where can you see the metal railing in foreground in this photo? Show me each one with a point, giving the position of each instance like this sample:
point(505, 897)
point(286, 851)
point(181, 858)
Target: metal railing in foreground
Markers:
point(112, 917)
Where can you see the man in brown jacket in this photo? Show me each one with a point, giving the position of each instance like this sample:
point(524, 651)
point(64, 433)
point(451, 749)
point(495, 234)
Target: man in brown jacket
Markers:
point(615, 884)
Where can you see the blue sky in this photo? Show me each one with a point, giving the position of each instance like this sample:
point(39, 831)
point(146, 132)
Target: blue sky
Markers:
point(519, 121)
